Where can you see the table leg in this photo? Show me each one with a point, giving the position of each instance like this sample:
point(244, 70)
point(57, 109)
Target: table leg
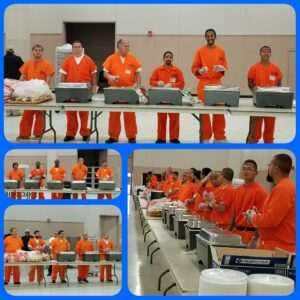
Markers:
point(68, 282)
point(145, 235)
point(145, 227)
point(113, 267)
point(160, 277)
point(94, 125)
point(148, 248)
point(151, 257)
point(200, 127)
point(169, 288)
point(49, 115)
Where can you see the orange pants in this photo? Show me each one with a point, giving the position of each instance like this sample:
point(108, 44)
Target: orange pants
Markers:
point(34, 194)
point(56, 195)
point(27, 121)
point(58, 269)
point(173, 126)
point(217, 126)
point(15, 195)
point(107, 269)
point(75, 196)
point(114, 126)
point(16, 274)
point(255, 130)
point(83, 272)
point(39, 273)
point(246, 235)
point(271, 245)
point(101, 196)
point(72, 123)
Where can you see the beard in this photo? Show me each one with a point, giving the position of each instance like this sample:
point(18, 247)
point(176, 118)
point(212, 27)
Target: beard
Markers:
point(269, 178)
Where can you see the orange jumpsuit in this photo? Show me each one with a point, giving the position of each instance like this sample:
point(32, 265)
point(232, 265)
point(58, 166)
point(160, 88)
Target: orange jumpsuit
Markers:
point(174, 76)
point(102, 245)
point(225, 195)
point(277, 223)
point(38, 173)
point(39, 269)
point(263, 76)
point(208, 57)
point(59, 245)
point(197, 186)
point(186, 191)
point(34, 70)
point(153, 183)
point(59, 175)
point(174, 185)
point(83, 246)
point(79, 173)
point(162, 185)
point(16, 175)
point(81, 72)
point(11, 245)
point(244, 198)
point(104, 174)
point(127, 71)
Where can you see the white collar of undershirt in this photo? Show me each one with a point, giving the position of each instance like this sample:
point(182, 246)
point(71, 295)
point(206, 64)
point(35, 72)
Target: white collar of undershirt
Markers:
point(122, 58)
point(78, 59)
point(106, 242)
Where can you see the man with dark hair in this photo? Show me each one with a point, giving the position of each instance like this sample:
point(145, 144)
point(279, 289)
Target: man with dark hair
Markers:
point(57, 173)
point(58, 245)
point(16, 174)
point(122, 69)
point(174, 187)
point(35, 68)
point(246, 196)
point(79, 172)
point(167, 76)
point(263, 73)
point(277, 222)
point(104, 173)
point(221, 203)
point(78, 68)
point(25, 239)
point(209, 66)
point(39, 174)
point(152, 182)
point(12, 64)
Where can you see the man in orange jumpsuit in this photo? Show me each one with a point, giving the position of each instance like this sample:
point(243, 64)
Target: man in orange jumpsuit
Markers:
point(35, 68)
point(174, 187)
point(36, 244)
point(60, 244)
point(38, 173)
point(58, 173)
point(163, 182)
point(277, 222)
point(246, 196)
point(152, 181)
point(122, 69)
point(221, 202)
point(105, 246)
point(78, 68)
point(209, 67)
point(16, 174)
point(187, 188)
point(263, 73)
point(168, 76)
point(84, 245)
point(12, 243)
point(190, 202)
point(79, 172)
point(104, 173)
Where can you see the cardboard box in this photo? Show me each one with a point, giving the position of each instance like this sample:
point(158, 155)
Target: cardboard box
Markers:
point(251, 261)
point(291, 268)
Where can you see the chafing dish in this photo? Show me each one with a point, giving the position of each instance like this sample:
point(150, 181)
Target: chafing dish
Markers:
point(79, 92)
point(228, 95)
point(107, 185)
point(11, 184)
point(115, 95)
point(111, 256)
point(91, 256)
point(55, 185)
point(179, 222)
point(180, 211)
point(66, 256)
point(78, 185)
point(171, 96)
point(31, 184)
point(156, 195)
point(281, 97)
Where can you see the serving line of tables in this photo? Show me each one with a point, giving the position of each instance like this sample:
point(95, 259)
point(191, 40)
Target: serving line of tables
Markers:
point(97, 106)
point(28, 192)
point(184, 268)
point(113, 264)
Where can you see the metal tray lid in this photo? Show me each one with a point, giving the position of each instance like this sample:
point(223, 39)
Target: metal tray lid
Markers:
point(222, 88)
point(70, 85)
point(32, 181)
point(67, 253)
point(220, 237)
point(54, 181)
point(273, 89)
point(164, 89)
point(91, 252)
point(107, 181)
point(11, 180)
point(78, 181)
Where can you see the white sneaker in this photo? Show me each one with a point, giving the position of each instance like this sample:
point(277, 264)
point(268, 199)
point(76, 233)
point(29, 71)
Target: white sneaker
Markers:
point(205, 142)
point(220, 141)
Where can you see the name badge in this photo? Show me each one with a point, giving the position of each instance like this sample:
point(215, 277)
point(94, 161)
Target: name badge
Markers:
point(272, 78)
point(173, 79)
point(128, 72)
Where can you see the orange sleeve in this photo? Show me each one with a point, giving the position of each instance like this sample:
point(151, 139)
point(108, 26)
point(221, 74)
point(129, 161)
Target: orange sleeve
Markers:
point(279, 73)
point(197, 63)
point(86, 170)
point(180, 80)
point(154, 78)
point(73, 171)
point(63, 170)
point(138, 64)
point(225, 64)
point(51, 171)
point(49, 70)
point(9, 175)
point(260, 199)
point(42, 243)
point(31, 243)
point(251, 73)
point(65, 65)
point(77, 247)
point(107, 63)
point(276, 211)
point(24, 69)
point(110, 172)
point(92, 66)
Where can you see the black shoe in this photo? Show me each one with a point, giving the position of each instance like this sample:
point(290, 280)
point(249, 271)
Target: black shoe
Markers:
point(53, 281)
point(63, 281)
point(49, 274)
point(175, 141)
point(132, 141)
point(5, 283)
point(158, 141)
point(101, 280)
point(79, 280)
point(17, 282)
point(85, 138)
point(111, 141)
point(85, 280)
point(110, 280)
point(69, 138)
